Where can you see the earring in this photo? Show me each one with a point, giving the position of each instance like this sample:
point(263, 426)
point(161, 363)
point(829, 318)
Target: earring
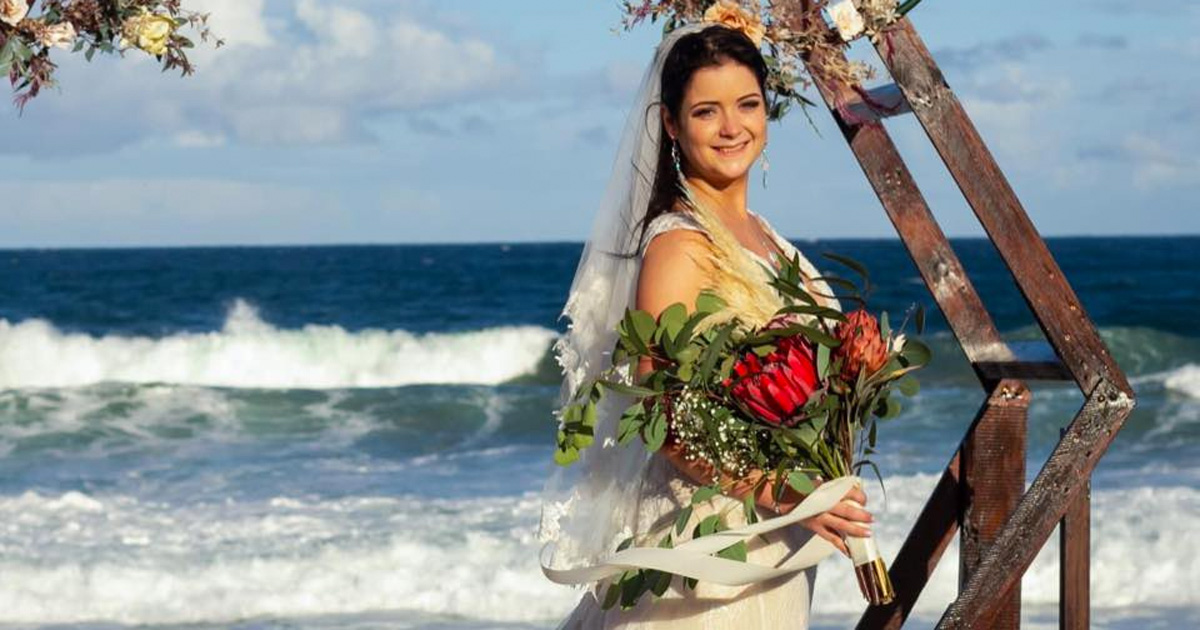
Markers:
point(675, 159)
point(766, 165)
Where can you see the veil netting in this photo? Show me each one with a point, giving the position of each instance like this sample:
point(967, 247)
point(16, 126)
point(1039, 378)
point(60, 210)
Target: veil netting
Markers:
point(589, 507)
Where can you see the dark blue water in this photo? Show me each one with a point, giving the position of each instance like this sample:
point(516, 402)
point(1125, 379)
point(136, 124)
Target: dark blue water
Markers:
point(298, 435)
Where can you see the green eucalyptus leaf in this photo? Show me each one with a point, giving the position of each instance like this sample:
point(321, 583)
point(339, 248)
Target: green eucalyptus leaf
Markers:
point(630, 390)
point(858, 267)
point(566, 457)
point(611, 596)
point(671, 320)
point(801, 482)
point(817, 336)
point(661, 583)
point(708, 302)
point(681, 521)
point(713, 352)
point(685, 372)
point(643, 326)
point(909, 385)
point(632, 589)
point(656, 432)
point(818, 311)
point(736, 551)
point(631, 423)
point(748, 504)
point(916, 352)
point(707, 526)
point(705, 493)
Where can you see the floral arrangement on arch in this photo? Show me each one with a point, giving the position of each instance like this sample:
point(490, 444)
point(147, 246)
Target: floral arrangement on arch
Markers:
point(30, 29)
point(795, 36)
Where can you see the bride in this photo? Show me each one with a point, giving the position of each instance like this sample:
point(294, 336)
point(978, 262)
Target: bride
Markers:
point(698, 125)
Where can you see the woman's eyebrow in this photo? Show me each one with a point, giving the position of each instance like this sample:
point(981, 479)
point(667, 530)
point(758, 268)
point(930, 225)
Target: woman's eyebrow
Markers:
point(740, 98)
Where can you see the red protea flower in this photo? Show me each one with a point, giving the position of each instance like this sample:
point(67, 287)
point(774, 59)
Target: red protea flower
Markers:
point(862, 345)
point(776, 386)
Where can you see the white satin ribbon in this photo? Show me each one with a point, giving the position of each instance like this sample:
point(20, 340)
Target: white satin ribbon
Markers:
point(692, 558)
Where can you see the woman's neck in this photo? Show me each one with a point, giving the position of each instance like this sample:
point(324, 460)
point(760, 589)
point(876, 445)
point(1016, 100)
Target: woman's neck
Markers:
point(729, 200)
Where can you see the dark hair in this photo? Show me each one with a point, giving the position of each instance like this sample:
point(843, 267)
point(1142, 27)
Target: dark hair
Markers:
point(710, 47)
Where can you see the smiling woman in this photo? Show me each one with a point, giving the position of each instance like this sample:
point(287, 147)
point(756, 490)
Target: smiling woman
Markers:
point(704, 126)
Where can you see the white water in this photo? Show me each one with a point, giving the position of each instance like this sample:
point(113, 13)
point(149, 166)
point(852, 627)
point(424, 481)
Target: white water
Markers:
point(75, 557)
point(248, 352)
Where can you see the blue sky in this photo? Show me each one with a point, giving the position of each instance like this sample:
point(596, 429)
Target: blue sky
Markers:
point(389, 121)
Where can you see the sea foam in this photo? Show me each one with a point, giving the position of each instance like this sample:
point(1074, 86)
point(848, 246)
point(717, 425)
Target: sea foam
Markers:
point(78, 558)
point(248, 352)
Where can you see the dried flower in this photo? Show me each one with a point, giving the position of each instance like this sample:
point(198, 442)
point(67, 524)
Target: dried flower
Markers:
point(13, 11)
point(61, 35)
point(148, 31)
point(847, 20)
point(731, 14)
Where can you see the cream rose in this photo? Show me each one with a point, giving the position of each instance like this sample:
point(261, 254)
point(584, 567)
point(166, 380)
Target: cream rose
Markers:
point(730, 13)
point(61, 35)
point(13, 11)
point(148, 31)
point(847, 20)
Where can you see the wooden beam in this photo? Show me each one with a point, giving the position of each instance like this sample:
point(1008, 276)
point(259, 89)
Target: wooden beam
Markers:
point(993, 480)
point(1023, 360)
point(927, 245)
point(1045, 289)
point(1074, 560)
point(1056, 488)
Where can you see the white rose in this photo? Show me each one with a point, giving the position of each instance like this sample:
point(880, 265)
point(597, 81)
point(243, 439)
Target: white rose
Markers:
point(61, 35)
point(847, 20)
point(13, 11)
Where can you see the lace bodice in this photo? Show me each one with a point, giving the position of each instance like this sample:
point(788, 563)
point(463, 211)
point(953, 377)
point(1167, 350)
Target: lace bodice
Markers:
point(680, 220)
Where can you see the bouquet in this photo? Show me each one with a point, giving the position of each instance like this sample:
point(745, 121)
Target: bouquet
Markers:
point(787, 404)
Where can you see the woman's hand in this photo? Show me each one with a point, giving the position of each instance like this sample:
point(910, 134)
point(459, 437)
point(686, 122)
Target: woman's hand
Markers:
point(847, 518)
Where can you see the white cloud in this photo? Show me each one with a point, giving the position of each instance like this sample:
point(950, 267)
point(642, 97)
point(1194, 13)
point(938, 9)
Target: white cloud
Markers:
point(237, 22)
point(314, 73)
point(161, 212)
point(1156, 164)
point(1012, 110)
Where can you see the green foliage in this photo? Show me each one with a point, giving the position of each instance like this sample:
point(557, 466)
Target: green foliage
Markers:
point(833, 434)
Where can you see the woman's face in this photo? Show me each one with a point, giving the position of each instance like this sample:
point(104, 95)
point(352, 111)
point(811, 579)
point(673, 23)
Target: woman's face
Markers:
point(722, 124)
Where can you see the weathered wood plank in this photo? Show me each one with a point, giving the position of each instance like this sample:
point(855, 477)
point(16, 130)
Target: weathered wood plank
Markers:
point(993, 480)
point(1044, 504)
point(927, 245)
point(1075, 564)
point(1023, 360)
point(1051, 298)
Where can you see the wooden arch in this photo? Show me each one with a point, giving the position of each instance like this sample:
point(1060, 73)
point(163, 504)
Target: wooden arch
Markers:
point(982, 491)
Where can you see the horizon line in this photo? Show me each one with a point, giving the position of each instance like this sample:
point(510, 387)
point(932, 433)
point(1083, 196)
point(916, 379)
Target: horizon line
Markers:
point(984, 237)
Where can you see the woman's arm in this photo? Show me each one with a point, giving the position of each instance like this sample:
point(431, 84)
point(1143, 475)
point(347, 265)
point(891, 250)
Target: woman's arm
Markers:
point(673, 271)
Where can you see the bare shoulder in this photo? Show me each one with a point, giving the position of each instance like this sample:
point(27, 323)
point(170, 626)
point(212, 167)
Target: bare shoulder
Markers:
point(673, 269)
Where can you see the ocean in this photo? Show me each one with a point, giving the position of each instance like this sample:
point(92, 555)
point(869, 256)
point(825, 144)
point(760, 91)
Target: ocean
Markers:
point(355, 437)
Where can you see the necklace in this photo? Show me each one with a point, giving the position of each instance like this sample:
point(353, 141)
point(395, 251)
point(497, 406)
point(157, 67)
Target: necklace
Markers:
point(770, 247)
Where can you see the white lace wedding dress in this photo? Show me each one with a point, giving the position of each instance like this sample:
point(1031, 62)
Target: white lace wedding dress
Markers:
point(782, 603)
